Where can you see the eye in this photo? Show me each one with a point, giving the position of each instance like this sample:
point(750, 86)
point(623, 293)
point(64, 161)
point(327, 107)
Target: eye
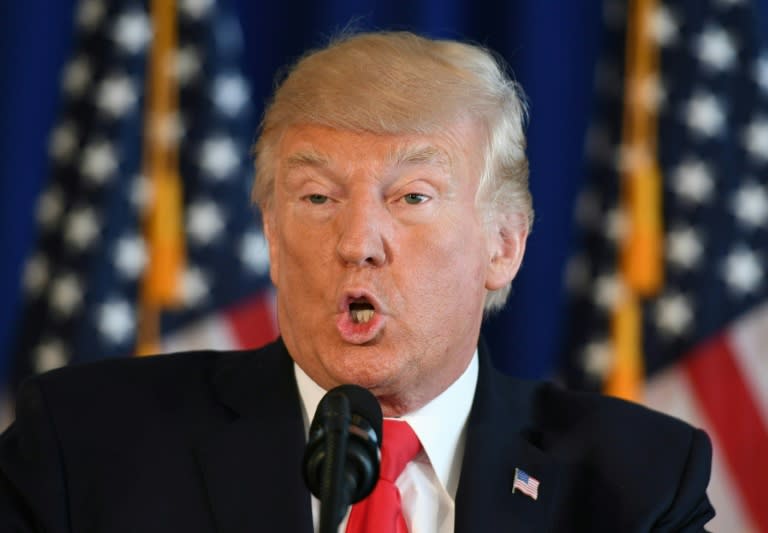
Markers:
point(317, 199)
point(414, 198)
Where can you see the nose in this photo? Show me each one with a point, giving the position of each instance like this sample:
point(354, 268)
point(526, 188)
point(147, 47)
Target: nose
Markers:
point(362, 229)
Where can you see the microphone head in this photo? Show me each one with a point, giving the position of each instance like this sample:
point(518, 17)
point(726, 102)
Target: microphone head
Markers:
point(362, 405)
point(363, 454)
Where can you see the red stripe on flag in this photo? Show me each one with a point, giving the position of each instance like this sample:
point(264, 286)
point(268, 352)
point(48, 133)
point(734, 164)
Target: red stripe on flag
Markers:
point(253, 322)
point(723, 394)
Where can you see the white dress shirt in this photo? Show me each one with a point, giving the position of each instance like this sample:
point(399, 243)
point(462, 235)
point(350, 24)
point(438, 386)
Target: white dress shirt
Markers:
point(429, 482)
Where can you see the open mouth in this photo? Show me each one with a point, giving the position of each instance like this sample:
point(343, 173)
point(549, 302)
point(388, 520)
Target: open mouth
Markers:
point(361, 311)
point(361, 317)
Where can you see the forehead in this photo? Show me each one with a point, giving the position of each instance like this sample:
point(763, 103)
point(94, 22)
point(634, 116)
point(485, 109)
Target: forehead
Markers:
point(313, 145)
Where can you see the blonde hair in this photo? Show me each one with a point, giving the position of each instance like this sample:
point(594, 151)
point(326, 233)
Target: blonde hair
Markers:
point(399, 82)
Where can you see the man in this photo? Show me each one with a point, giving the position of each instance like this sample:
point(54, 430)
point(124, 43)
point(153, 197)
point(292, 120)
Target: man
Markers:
point(392, 179)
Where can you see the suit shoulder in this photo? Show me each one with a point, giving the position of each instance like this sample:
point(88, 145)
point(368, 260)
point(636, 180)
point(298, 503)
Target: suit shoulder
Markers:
point(622, 442)
point(109, 388)
point(613, 447)
point(112, 375)
point(604, 417)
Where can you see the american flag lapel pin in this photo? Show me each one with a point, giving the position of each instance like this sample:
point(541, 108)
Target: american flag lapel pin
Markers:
point(526, 484)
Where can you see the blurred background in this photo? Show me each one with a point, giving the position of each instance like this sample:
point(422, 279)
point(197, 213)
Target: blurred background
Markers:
point(125, 226)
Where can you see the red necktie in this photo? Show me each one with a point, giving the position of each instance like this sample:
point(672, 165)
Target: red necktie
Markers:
point(381, 511)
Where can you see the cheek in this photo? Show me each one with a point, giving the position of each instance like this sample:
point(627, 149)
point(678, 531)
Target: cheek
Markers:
point(301, 256)
point(451, 269)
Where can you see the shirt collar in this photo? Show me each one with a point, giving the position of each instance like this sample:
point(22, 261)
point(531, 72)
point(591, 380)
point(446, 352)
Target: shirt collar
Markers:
point(440, 424)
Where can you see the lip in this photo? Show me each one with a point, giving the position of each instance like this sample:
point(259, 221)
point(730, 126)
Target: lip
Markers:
point(352, 332)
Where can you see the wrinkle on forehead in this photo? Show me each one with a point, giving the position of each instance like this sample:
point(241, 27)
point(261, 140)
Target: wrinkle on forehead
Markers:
point(441, 150)
point(401, 155)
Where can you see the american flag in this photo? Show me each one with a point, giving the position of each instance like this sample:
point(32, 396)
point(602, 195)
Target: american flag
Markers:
point(703, 333)
point(82, 281)
point(526, 484)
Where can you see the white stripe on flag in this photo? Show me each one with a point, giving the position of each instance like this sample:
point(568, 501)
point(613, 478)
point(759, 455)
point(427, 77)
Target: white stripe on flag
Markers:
point(671, 393)
point(749, 342)
point(212, 333)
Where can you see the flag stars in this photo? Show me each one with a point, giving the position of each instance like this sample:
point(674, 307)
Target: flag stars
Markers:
point(219, 157)
point(99, 162)
point(742, 271)
point(254, 252)
point(140, 192)
point(116, 96)
point(36, 273)
point(77, 76)
point(130, 256)
point(115, 321)
point(132, 31)
point(66, 295)
point(704, 115)
point(616, 224)
point(608, 291)
point(169, 129)
point(750, 205)
point(761, 72)
point(90, 13)
point(692, 181)
point(187, 64)
point(684, 248)
point(664, 26)
point(649, 93)
point(577, 274)
point(81, 228)
point(196, 9)
point(50, 207)
point(588, 211)
point(633, 156)
point(63, 142)
point(205, 222)
point(195, 287)
point(673, 314)
point(230, 94)
point(755, 139)
point(597, 359)
point(49, 355)
point(716, 49)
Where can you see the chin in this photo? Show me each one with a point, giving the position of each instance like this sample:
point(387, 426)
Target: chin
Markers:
point(370, 372)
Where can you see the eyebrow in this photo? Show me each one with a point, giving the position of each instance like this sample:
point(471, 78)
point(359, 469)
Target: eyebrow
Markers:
point(307, 158)
point(426, 154)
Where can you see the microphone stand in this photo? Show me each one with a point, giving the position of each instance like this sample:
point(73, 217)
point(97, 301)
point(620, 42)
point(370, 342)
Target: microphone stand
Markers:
point(334, 498)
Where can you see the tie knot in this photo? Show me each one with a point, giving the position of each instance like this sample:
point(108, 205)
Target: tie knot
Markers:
point(398, 447)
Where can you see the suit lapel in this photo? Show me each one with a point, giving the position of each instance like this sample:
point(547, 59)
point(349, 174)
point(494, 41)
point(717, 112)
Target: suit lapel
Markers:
point(252, 462)
point(500, 439)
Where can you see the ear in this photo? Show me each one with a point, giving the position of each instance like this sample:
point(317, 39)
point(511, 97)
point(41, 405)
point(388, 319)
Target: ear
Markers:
point(506, 245)
point(268, 223)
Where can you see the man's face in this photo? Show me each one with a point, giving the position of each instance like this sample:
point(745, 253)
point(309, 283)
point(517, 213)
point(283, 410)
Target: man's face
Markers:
point(380, 258)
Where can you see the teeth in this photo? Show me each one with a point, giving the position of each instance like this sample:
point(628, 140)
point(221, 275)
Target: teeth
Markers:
point(361, 316)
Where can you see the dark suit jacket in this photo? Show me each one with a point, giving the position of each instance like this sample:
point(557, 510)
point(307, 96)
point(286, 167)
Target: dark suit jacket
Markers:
point(209, 441)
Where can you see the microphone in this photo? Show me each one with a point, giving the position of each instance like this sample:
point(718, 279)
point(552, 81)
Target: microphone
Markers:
point(341, 460)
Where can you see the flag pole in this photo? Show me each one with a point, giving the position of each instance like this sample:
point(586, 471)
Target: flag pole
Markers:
point(163, 219)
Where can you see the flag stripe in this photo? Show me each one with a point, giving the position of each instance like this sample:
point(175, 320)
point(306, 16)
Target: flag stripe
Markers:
point(749, 338)
point(213, 332)
point(672, 392)
point(253, 321)
point(712, 114)
point(721, 391)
